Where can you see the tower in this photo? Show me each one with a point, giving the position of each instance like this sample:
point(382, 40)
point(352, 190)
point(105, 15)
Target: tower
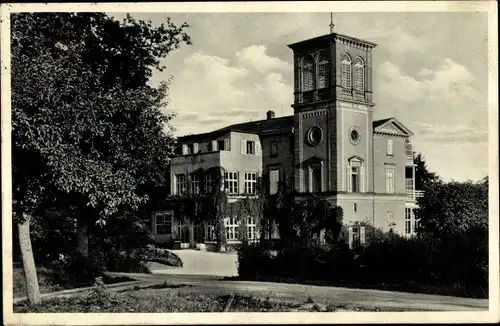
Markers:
point(333, 113)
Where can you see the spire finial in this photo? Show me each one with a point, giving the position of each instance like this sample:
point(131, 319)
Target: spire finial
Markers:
point(331, 23)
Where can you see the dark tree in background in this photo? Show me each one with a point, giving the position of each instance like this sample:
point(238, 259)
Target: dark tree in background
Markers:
point(423, 176)
point(87, 128)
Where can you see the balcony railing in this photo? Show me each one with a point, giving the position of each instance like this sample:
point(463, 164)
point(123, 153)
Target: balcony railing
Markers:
point(408, 158)
point(411, 193)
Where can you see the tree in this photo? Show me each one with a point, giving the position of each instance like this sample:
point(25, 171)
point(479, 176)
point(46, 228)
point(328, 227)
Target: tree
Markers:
point(86, 127)
point(422, 175)
point(453, 208)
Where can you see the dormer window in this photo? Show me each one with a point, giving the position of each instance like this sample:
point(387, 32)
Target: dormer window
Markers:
point(359, 74)
point(345, 66)
point(323, 70)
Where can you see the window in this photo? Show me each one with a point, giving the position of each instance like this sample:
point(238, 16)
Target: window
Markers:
point(359, 74)
point(232, 229)
point(190, 148)
point(274, 178)
point(163, 222)
point(316, 179)
point(274, 148)
point(323, 71)
point(194, 183)
point(231, 182)
point(389, 181)
point(408, 221)
point(223, 145)
point(354, 208)
point(210, 181)
point(357, 236)
point(345, 66)
point(307, 74)
point(210, 147)
point(180, 184)
point(390, 147)
point(209, 232)
point(354, 179)
point(251, 229)
point(250, 182)
point(251, 147)
point(355, 175)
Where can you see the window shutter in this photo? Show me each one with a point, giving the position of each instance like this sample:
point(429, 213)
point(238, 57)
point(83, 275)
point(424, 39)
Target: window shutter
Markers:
point(362, 179)
point(349, 186)
point(258, 148)
point(243, 147)
point(184, 149)
point(214, 145)
point(362, 235)
point(226, 145)
point(350, 236)
point(195, 148)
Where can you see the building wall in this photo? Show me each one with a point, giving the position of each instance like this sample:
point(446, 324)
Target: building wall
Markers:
point(395, 204)
point(360, 116)
point(234, 160)
point(382, 161)
point(284, 160)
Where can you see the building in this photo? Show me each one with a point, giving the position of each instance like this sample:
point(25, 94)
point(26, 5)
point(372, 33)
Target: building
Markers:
point(330, 146)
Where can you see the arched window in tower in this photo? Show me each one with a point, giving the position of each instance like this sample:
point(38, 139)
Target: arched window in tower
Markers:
point(345, 65)
point(323, 71)
point(307, 74)
point(359, 74)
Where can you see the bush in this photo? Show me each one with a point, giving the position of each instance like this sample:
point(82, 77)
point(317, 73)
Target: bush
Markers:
point(459, 262)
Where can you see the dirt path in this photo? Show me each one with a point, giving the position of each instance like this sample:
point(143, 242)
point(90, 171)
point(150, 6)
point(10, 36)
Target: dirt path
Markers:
point(201, 263)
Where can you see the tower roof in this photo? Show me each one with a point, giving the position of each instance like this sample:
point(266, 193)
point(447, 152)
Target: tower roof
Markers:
point(331, 38)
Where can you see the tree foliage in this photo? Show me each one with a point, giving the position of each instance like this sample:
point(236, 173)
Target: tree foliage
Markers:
point(301, 222)
point(87, 129)
point(423, 177)
point(86, 135)
point(453, 208)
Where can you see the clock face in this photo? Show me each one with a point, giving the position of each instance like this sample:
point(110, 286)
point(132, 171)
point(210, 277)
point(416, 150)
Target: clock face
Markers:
point(354, 135)
point(314, 136)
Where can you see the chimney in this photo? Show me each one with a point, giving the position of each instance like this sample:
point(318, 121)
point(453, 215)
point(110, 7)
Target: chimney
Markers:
point(270, 114)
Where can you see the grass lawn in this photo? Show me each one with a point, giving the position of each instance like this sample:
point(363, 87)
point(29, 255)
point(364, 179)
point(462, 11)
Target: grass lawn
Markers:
point(46, 283)
point(171, 298)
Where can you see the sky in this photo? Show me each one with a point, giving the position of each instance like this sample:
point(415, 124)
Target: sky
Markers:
point(430, 71)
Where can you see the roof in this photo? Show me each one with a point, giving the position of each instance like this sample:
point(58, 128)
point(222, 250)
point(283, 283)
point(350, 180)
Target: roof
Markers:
point(331, 37)
point(392, 126)
point(280, 124)
point(254, 127)
point(377, 123)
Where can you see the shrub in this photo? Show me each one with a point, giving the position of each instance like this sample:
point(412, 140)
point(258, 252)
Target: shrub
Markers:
point(457, 261)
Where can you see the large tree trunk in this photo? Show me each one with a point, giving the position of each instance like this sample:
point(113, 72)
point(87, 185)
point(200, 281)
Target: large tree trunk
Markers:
point(32, 289)
point(82, 236)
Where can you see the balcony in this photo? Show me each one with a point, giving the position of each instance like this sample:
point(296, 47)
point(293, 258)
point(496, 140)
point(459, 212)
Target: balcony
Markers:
point(409, 154)
point(411, 193)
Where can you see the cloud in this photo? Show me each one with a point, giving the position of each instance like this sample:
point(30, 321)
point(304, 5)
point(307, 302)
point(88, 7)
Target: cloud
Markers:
point(211, 92)
point(446, 93)
point(256, 58)
point(446, 133)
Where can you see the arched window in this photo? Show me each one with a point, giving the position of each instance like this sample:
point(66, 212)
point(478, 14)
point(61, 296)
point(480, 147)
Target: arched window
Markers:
point(323, 71)
point(345, 65)
point(359, 74)
point(307, 74)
